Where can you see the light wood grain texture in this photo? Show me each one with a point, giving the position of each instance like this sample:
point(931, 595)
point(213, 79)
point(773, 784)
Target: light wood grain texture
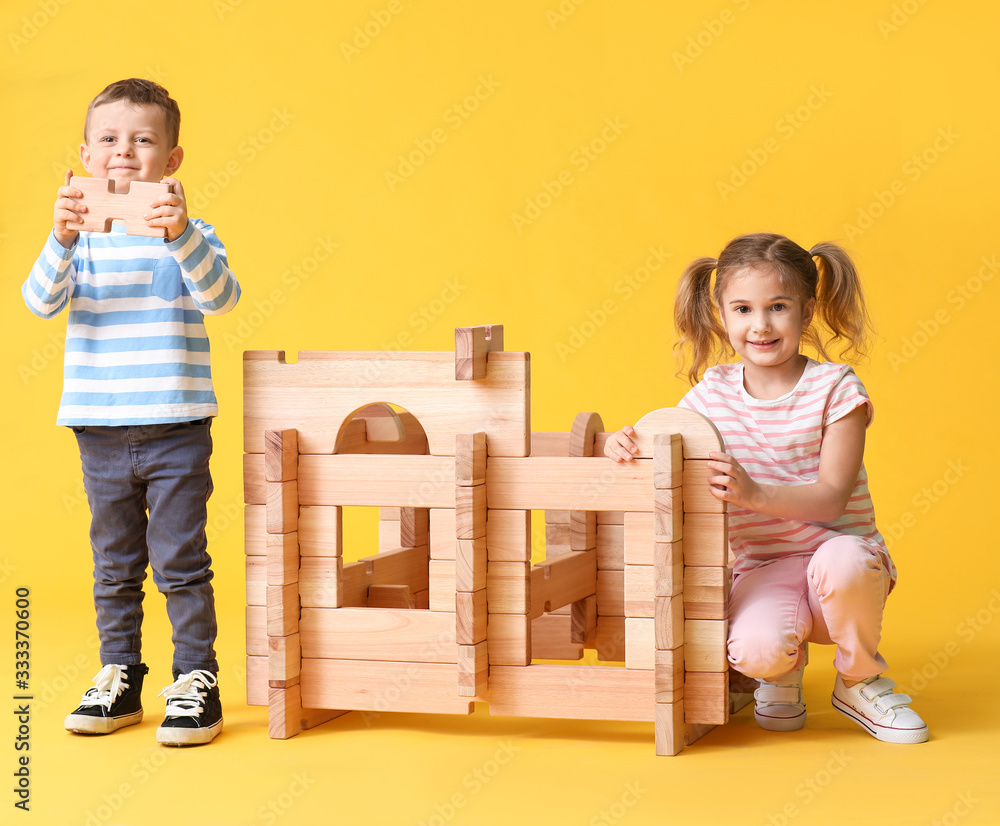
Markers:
point(508, 536)
point(706, 697)
point(282, 506)
point(403, 566)
point(507, 588)
point(638, 590)
point(508, 638)
point(321, 583)
point(283, 658)
point(699, 435)
point(551, 638)
point(640, 650)
point(706, 593)
point(470, 512)
point(706, 539)
point(705, 645)
point(669, 668)
point(320, 393)
point(669, 728)
point(282, 558)
point(583, 618)
point(638, 541)
point(391, 596)
point(321, 530)
point(668, 568)
point(697, 494)
point(668, 515)
point(544, 483)
point(610, 643)
point(378, 634)
point(470, 458)
point(282, 609)
point(583, 524)
point(104, 204)
point(256, 622)
point(414, 527)
point(669, 615)
point(255, 530)
point(473, 670)
point(576, 692)
point(470, 617)
point(611, 593)
point(470, 565)
point(281, 455)
point(667, 460)
point(562, 581)
point(444, 545)
point(256, 577)
point(404, 481)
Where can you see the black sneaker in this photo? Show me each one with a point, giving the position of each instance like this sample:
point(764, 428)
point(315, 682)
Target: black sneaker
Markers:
point(112, 703)
point(194, 711)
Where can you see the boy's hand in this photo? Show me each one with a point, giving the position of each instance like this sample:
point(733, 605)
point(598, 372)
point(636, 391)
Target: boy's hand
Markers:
point(67, 213)
point(620, 447)
point(170, 211)
point(731, 483)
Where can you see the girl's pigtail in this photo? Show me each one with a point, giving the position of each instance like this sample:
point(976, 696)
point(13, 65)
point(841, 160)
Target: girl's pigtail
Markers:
point(695, 319)
point(840, 303)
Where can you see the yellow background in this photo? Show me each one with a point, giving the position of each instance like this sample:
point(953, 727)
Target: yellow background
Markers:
point(873, 124)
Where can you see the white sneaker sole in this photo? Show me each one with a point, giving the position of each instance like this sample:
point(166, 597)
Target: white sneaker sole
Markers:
point(85, 724)
point(884, 733)
point(176, 736)
point(774, 723)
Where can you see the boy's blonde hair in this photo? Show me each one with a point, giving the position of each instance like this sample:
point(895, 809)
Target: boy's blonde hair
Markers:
point(833, 282)
point(140, 92)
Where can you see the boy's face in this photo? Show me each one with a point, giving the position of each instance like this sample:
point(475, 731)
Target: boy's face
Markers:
point(129, 143)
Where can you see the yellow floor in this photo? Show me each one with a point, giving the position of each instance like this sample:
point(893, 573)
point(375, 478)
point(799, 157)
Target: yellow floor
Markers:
point(434, 770)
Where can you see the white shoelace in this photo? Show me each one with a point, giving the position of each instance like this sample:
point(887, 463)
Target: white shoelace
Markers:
point(109, 682)
point(183, 697)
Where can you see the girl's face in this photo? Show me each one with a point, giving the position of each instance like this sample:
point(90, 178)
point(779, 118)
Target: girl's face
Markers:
point(763, 319)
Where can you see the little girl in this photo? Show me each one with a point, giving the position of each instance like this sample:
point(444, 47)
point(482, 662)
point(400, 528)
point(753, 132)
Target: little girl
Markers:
point(810, 564)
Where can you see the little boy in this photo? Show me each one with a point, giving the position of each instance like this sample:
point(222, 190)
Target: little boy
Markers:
point(137, 392)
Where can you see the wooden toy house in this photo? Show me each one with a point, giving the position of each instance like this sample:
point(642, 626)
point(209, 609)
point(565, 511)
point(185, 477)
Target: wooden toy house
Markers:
point(450, 611)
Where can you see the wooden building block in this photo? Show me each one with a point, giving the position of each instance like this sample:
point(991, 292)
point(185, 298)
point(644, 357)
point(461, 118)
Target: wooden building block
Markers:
point(284, 705)
point(443, 541)
point(321, 530)
point(282, 558)
point(638, 538)
point(470, 564)
point(669, 622)
point(705, 645)
point(322, 583)
point(638, 590)
point(550, 638)
point(583, 621)
point(105, 205)
point(256, 576)
point(564, 483)
point(640, 650)
point(508, 638)
point(281, 455)
point(700, 436)
point(611, 593)
point(610, 639)
point(255, 530)
point(470, 617)
point(256, 621)
point(507, 588)
point(706, 593)
point(557, 517)
point(667, 461)
point(610, 547)
point(254, 484)
point(668, 568)
point(577, 692)
point(391, 596)
point(386, 635)
point(282, 506)
point(470, 512)
point(403, 566)
point(697, 494)
point(470, 459)
point(473, 670)
point(283, 660)
point(441, 585)
point(706, 697)
point(706, 539)
point(557, 538)
point(508, 536)
point(562, 581)
point(426, 688)
point(414, 527)
point(282, 609)
point(549, 443)
point(668, 515)
point(389, 534)
point(372, 481)
point(610, 518)
point(471, 348)
point(669, 668)
point(668, 728)
point(583, 524)
point(583, 530)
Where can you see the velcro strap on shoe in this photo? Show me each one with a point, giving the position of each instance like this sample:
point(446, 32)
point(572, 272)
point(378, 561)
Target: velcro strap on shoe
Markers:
point(888, 701)
point(777, 694)
point(883, 685)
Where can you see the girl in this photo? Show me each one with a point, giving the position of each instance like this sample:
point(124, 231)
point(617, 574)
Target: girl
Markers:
point(810, 564)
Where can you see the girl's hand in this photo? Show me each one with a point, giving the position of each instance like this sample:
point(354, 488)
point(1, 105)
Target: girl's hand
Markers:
point(170, 211)
point(731, 483)
point(620, 447)
point(66, 220)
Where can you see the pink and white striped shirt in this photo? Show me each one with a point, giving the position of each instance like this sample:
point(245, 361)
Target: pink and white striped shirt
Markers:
point(777, 441)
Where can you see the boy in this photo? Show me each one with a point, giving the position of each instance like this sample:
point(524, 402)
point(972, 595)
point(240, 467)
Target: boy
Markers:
point(137, 392)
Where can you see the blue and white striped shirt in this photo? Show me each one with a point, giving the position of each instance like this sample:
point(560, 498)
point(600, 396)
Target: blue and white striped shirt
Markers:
point(136, 347)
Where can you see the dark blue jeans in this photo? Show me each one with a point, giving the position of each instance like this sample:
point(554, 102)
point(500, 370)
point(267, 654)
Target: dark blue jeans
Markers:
point(148, 488)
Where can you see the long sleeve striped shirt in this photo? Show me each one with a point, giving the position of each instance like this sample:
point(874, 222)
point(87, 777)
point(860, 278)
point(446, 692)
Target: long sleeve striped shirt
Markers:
point(777, 441)
point(136, 347)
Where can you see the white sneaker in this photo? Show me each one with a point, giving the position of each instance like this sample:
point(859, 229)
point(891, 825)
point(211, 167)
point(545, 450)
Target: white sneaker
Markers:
point(874, 706)
point(779, 706)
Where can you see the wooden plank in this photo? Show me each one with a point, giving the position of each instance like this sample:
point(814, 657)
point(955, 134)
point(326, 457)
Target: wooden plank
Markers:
point(508, 638)
point(365, 685)
point(282, 506)
point(697, 494)
point(470, 617)
point(576, 692)
point(564, 580)
point(256, 579)
point(282, 609)
point(283, 658)
point(282, 558)
point(403, 566)
point(507, 588)
point(470, 512)
point(706, 539)
point(547, 443)
point(254, 484)
point(321, 392)
point(470, 565)
point(583, 524)
point(670, 623)
point(405, 481)
point(668, 568)
point(473, 670)
point(705, 645)
point(321, 530)
point(382, 634)
point(669, 668)
point(668, 515)
point(470, 458)
point(640, 648)
point(322, 584)
point(508, 536)
point(706, 698)
point(639, 591)
point(669, 729)
point(556, 483)
point(281, 455)
point(638, 538)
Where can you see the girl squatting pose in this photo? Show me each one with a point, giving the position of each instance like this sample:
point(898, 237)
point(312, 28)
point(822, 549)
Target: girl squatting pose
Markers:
point(810, 564)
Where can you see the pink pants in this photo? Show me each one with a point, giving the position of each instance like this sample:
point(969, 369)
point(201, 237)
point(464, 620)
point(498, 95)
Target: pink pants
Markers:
point(835, 596)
